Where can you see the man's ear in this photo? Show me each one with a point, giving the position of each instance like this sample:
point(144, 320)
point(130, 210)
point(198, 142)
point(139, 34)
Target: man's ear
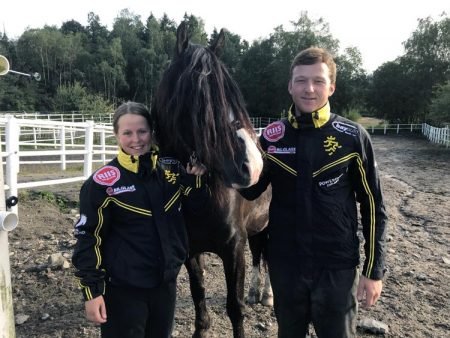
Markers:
point(332, 89)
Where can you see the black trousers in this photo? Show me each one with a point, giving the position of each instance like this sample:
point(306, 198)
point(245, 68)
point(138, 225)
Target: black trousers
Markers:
point(139, 313)
point(325, 298)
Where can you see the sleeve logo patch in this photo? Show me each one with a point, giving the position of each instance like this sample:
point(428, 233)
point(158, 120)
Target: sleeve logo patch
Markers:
point(108, 175)
point(274, 131)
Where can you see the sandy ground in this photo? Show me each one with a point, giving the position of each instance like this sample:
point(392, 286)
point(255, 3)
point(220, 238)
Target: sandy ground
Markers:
point(415, 300)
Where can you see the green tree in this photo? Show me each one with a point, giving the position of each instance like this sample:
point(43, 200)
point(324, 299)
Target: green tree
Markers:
point(440, 106)
point(196, 29)
point(130, 30)
point(68, 97)
point(256, 80)
point(402, 90)
point(351, 82)
point(264, 71)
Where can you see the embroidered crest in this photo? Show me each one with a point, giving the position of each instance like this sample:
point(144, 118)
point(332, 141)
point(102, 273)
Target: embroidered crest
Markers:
point(330, 145)
point(274, 131)
point(108, 175)
point(170, 176)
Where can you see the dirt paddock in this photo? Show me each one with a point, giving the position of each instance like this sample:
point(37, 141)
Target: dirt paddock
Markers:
point(415, 300)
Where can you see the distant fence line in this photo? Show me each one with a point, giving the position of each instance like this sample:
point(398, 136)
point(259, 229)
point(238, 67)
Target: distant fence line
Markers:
point(43, 141)
point(437, 135)
point(62, 117)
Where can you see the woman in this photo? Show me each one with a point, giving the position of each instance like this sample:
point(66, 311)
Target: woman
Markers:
point(131, 238)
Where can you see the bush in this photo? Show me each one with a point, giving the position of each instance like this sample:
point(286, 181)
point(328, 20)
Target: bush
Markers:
point(352, 114)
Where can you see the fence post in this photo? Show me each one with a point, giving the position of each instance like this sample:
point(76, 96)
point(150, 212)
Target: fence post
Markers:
point(447, 137)
point(12, 132)
point(62, 139)
point(35, 137)
point(103, 144)
point(7, 324)
point(89, 146)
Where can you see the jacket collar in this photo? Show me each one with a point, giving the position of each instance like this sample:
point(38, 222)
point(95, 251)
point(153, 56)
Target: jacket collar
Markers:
point(131, 162)
point(317, 118)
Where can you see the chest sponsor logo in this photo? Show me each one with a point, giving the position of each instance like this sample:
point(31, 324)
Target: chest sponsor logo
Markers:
point(331, 145)
point(281, 150)
point(108, 175)
point(330, 182)
point(119, 190)
point(345, 128)
point(274, 131)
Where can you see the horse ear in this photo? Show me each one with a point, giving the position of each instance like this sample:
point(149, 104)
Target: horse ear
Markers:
point(218, 45)
point(182, 38)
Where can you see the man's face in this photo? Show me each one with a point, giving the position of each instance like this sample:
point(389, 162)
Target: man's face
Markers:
point(310, 87)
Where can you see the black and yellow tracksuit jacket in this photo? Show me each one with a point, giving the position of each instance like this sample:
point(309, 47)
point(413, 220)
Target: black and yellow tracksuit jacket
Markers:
point(319, 166)
point(131, 230)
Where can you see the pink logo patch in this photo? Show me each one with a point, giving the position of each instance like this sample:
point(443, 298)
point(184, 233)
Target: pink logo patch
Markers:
point(271, 149)
point(107, 175)
point(274, 131)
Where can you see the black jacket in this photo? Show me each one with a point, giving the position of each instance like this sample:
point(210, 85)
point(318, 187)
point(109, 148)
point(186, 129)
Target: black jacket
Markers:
point(131, 230)
point(319, 166)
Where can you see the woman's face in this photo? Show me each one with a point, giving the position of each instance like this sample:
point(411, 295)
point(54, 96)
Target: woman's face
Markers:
point(133, 134)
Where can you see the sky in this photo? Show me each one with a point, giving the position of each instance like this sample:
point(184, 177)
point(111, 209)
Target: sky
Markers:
point(377, 27)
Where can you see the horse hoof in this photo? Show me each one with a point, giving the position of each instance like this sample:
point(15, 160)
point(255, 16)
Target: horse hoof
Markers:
point(253, 297)
point(201, 334)
point(267, 300)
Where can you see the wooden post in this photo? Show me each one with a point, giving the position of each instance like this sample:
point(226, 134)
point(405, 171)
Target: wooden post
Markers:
point(7, 324)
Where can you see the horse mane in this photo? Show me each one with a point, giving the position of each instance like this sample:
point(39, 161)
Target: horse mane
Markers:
point(193, 107)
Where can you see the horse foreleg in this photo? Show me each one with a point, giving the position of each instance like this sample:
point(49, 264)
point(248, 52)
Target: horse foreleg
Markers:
point(234, 267)
point(257, 243)
point(254, 294)
point(267, 296)
point(196, 268)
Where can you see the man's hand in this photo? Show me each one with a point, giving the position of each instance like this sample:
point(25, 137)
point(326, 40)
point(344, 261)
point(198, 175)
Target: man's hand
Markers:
point(96, 310)
point(195, 169)
point(369, 291)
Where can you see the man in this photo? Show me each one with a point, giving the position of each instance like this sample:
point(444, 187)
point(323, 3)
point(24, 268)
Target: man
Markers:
point(320, 165)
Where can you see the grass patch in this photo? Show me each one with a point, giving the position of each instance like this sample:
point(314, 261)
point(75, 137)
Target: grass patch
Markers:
point(64, 204)
point(368, 122)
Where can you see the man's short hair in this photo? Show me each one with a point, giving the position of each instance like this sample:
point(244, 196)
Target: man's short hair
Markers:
point(313, 55)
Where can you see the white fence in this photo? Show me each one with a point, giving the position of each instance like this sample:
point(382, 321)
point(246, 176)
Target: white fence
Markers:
point(43, 141)
point(63, 117)
point(437, 135)
point(52, 142)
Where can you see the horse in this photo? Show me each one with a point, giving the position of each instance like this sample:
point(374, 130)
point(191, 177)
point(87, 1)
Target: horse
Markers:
point(199, 114)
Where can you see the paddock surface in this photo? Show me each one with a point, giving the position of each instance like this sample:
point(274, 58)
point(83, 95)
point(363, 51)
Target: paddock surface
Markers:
point(414, 303)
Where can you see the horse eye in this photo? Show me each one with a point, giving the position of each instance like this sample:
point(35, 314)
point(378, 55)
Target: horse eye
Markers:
point(236, 124)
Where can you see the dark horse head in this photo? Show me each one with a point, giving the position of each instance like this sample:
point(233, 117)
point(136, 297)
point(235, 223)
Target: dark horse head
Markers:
point(199, 109)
